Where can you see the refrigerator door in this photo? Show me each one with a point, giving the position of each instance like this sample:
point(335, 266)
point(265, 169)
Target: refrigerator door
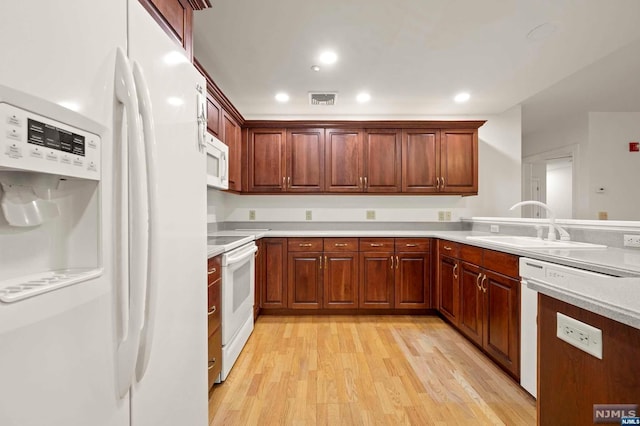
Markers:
point(173, 389)
point(57, 350)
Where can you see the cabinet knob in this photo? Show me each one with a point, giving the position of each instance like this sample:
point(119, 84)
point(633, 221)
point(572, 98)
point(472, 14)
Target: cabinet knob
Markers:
point(376, 245)
point(446, 248)
point(411, 245)
point(212, 271)
point(304, 245)
point(212, 363)
point(212, 310)
point(340, 244)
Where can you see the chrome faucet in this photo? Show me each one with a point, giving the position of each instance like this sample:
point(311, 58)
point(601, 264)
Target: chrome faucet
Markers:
point(564, 235)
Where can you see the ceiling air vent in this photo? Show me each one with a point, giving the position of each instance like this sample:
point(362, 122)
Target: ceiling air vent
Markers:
point(322, 98)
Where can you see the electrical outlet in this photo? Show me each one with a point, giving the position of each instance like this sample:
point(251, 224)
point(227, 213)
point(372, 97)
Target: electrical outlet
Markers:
point(632, 240)
point(371, 214)
point(495, 228)
point(578, 334)
point(308, 215)
point(447, 216)
point(441, 216)
point(252, 215)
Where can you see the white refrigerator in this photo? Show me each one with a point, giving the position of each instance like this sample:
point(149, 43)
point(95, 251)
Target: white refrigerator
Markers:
point(127, 344)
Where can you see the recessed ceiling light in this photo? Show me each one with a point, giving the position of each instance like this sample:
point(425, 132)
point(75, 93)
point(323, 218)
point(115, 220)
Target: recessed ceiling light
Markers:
point(315, 68)
point(282, 97)
point(462, 97)
point(363, 97)
point(328, 57)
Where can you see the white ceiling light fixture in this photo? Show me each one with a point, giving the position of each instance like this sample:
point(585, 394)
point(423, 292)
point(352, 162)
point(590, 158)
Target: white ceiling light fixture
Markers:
point(462, 97)
point(282, 97)
point(363, 97)
point(328, 57)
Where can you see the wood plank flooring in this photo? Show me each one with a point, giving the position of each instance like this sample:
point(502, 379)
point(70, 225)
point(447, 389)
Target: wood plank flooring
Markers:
point(365, 370)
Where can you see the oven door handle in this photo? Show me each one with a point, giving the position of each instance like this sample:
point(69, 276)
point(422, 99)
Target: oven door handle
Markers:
point(242, 256)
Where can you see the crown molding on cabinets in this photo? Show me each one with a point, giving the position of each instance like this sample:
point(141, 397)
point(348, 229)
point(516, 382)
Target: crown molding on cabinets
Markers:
point(377, 124)
point(222, 99)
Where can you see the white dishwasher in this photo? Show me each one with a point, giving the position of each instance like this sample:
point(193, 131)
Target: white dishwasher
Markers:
point(532, 270)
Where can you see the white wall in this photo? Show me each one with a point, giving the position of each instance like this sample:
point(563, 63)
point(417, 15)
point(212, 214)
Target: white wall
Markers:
point(499, 187)
point(612, 166)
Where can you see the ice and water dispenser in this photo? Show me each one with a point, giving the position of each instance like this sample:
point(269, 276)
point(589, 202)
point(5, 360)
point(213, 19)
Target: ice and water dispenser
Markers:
point(50, 174)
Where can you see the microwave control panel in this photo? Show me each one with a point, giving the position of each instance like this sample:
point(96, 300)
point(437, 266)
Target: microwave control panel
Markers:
point(31, 142)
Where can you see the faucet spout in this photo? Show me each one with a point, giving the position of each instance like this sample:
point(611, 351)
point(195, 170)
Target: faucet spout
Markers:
point(551, 235)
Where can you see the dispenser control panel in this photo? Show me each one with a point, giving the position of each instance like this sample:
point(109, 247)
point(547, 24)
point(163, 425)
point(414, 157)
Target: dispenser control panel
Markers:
point(31, 142)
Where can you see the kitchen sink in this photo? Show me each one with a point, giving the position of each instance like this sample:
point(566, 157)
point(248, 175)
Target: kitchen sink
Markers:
point(532, 242)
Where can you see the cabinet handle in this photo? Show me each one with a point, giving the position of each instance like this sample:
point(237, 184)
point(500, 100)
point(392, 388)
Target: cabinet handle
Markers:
point(340, 244)
point(320, 257)
point(446, 248)
point(411, 245)
point(376, 245)
point(391, 262)
point(212, 363)
point(478, 282)
point(484, 287)
point(325, 262)
point(437, 183)
point(284, 182)
point(289, 181)
point(212, 311)
point(455, 271)
point(366, 184)
point(397, 262)
point(360, 182)
point(304, 245)
point(442, 182)
point(213, 271)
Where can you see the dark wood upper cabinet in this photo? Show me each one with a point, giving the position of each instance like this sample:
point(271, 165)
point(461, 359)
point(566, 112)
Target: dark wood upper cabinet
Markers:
point(420, 165)
point(214, 115)
point(305, 160)
point(459, 161)
point(343, 160)
point(267, 160)
point(231, 137)
point(176, 18)
point(382, 161)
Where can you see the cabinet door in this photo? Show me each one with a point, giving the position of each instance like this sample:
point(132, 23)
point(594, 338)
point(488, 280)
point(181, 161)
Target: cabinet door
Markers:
point(343, 161)
point(382, 161)
point(231, 137)
point(305, 160)
point(471, 302)
point(340, 280)
point(502, 320)
point(376, 280)
point(274, 277)
point(305, 280)
point(448, 294)
point(266, 160)
point(214, 113)
point(420, 164)
point(459, 161)
point(412, 286)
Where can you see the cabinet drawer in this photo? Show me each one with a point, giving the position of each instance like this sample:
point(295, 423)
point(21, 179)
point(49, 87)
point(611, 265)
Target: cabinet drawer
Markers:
point(214, 269)
point(412, 244)
point(448, 248)
point(213, 306)
point(304, 244)
point(214, 356)
point(471, 254)
point(503, 263)
point(340, 244)
point(377, 244)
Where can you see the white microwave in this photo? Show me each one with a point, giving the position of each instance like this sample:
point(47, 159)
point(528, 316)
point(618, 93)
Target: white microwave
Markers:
point(217, 163)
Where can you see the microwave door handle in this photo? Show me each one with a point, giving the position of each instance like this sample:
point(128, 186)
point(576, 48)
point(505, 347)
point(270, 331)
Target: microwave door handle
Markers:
point(128, 343)
point(149, 288)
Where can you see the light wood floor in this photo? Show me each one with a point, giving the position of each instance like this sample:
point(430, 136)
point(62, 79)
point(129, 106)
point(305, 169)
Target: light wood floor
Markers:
point(365, 370)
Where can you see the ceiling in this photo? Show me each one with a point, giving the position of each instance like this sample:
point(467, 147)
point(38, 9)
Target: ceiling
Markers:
point(413, 56)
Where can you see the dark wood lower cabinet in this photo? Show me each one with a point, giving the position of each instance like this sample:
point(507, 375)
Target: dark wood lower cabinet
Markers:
point(448, 291)
point(376, 280)
point(274, 276)
point(412, 289)
point(471, 302)
point(304, 280)
point(571, 381)
point(340, 280)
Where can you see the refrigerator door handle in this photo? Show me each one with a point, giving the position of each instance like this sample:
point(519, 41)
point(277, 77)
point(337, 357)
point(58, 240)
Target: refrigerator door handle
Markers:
point(202, 119)
point(125, 92)
point(150, 286)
